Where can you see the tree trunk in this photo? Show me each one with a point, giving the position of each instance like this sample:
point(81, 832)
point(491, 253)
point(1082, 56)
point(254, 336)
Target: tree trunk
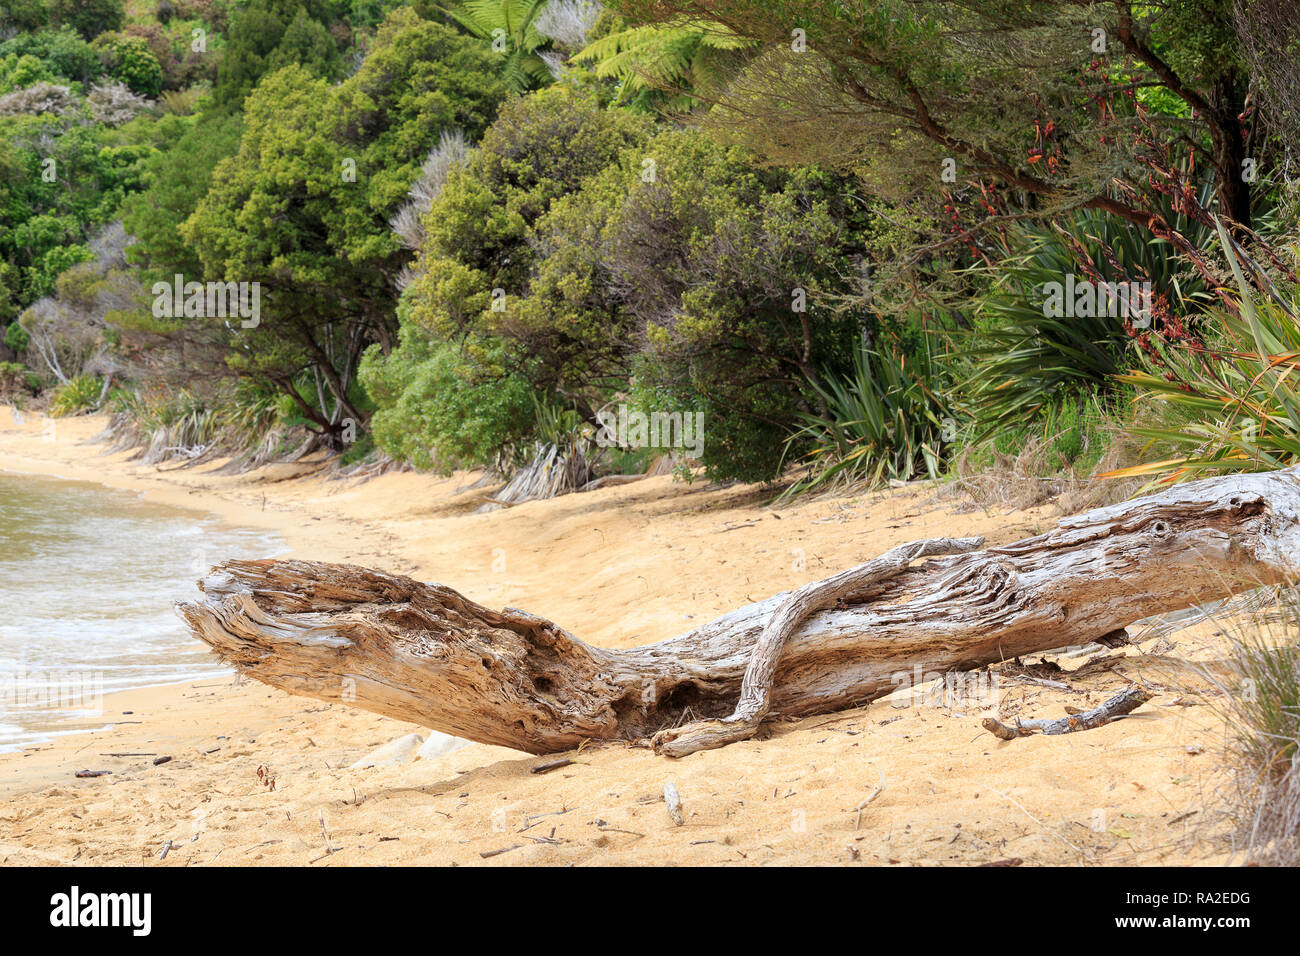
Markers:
point(426, 654)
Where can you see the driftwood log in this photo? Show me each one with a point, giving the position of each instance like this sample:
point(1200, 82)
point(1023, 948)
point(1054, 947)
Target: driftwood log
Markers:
point(426, 654)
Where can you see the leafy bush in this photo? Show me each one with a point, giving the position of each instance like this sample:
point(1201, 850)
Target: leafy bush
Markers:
point(90, 18)
point(266, 35)
point(24, 16)
point(77, 395)
point(1021, 360)
point(441, 408)
point(130, 60)
point(16, 337)
point(883, 421)
point(1236, 396)
point(717, 285)
point(63, 52)
point(20, 71)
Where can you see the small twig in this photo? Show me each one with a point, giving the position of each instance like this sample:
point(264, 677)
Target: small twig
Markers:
point(867, 802)
point(486, 854)
point(552, 765)
point(1043, 681)
point(532, 819)
point(609, 829)
point(329, 847)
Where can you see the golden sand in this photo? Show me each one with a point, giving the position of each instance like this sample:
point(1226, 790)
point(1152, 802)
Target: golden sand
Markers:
point(260, 777)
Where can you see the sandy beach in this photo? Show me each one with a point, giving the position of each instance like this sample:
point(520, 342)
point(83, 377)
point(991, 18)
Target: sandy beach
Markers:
point(261, 777)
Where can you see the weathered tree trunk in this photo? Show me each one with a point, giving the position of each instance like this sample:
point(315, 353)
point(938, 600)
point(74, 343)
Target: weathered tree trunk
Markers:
point(424, 653)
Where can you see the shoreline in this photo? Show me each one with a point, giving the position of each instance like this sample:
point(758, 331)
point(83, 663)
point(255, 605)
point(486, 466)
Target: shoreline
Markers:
point(627, 565)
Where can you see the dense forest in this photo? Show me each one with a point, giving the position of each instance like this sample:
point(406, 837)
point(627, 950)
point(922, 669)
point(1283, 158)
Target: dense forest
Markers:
point(855, 241)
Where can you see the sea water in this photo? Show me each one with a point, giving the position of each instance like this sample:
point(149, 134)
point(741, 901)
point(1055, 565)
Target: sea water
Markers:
point(87, 579)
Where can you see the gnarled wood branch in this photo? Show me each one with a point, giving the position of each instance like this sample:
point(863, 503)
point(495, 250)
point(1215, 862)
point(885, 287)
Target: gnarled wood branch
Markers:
point(424, 653)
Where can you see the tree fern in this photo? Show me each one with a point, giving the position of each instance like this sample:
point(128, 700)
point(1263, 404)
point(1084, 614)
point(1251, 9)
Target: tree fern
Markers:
point(677, 58)
point(515, 23)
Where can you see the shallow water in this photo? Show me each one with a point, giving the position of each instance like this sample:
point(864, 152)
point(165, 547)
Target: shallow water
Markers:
point(87, 580)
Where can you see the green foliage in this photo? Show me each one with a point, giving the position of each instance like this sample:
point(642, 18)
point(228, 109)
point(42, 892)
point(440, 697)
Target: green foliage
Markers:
point(1236, 402)
point(418, 80)
point(371, 13)
point(63, 53)
point(177, 180)
point(718, 284)
point(16, 338)
point(129, 59)
point(80, 394)
point(60, 180)
point(24, 16)
point(883, 421)
point(19, 71)
point(90, 18)
point(1020, 359)
point(303, 206)
point(1070, 436)
point(509, 27)
point(267, 35)
point(443, 407)
point(542, 147)
point(658, 67)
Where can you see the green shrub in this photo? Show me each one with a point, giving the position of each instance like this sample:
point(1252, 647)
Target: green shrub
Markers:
point(441, 407)
point(16, 337)
point(62, 51)
point(90, 18)
point(1020, 360)
point(24, 16)
point(883, 421)
point(1235, 400)
point(77, 395)
point(130, 60)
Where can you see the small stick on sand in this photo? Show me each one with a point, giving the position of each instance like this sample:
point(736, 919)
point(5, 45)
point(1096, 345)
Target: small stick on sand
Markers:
point(1121, 704)
point(506, 849)
point(552, 765)
point(867, 802)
